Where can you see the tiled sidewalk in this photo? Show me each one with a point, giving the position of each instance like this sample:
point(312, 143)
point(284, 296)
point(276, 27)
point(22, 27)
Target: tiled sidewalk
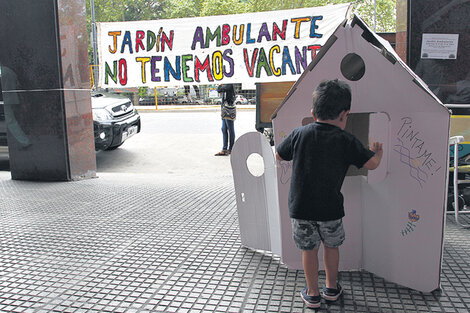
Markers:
point(124, 243)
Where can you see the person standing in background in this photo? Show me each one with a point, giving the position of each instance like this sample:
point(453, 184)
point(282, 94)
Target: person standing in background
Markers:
point(229, 114)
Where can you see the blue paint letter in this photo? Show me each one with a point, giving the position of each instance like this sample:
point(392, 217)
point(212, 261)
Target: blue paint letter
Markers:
point(127, 41)
point(313, 27)
point(167, 68)
point(286, 60)
point(248, 34)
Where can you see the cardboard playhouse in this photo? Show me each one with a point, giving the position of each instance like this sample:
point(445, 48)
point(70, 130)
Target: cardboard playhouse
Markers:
point(395, 214)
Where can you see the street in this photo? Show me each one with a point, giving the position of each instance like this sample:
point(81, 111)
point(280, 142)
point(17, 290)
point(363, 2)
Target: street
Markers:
point(179, 143)
point(172, 142)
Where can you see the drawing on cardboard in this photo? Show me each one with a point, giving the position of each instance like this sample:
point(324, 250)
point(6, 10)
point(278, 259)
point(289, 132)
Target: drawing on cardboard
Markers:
point(413, 218)
point(405, 157)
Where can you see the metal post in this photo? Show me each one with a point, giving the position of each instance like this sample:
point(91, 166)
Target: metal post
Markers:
point(156, 99)
point(375, 16)
point(94, 39)
point(456, 179)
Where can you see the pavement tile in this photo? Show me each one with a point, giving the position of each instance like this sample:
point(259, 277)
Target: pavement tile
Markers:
point(168, 245)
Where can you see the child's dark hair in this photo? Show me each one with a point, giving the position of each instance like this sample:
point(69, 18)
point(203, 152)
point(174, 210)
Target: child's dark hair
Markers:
point(330, 98)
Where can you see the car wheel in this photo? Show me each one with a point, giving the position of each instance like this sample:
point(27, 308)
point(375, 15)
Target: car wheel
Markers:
point(237, 102)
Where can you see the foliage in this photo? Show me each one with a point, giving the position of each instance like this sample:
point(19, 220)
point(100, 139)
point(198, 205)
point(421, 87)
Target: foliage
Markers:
point(183, 8)
point(386, 14)
point(127, 10)
point(133, 10)
point(270, 5)
point(220, 7)
point(143, 92)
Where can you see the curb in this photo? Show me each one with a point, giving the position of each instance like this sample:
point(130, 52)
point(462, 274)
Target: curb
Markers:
point(169, 108)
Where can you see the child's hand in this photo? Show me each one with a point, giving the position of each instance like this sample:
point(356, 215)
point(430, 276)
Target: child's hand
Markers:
point(376, 147)
point(374, 161)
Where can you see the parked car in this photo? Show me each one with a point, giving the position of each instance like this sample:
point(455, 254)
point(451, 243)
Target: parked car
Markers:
point(239, 99)
point(198, 101)
point(147, 101)
point(163, 99)
point(167, 99)
point(181, 100)
point(185, 100)
point(114, 120)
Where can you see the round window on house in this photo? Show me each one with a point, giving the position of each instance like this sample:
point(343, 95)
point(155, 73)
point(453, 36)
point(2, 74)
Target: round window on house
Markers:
point(353, 67)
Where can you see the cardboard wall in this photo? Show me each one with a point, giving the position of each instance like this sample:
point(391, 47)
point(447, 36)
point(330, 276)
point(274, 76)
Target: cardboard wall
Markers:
point(401, 208)
point(256, 196)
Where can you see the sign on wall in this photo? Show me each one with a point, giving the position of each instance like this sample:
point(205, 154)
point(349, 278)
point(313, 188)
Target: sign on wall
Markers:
point(255, 47)
point(439, 46)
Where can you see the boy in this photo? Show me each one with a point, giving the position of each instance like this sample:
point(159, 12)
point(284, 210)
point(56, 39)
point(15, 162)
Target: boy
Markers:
point(321, 154)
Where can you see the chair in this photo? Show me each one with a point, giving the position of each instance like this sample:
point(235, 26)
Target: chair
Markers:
point(459, 184)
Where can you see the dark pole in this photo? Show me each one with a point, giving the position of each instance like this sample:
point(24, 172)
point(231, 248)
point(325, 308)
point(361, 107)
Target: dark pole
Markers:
point(94, 40)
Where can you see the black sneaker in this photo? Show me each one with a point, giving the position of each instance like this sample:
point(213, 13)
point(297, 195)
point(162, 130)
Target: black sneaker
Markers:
point(332, 294)
point(311, 301)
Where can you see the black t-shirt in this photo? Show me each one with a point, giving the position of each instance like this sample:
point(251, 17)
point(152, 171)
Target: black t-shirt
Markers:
point(321, 155)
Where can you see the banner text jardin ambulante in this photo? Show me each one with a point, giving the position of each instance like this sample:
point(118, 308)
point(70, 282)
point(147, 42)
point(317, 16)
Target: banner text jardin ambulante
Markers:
point(256, 47)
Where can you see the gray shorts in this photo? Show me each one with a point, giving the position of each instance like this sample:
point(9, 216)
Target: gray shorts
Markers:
point(308, 235)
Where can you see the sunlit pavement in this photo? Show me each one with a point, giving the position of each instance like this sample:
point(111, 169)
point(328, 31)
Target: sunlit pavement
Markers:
point(183, 107)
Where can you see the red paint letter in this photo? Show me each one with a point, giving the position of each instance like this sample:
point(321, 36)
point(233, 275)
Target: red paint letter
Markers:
point(201, 67)
point(123, 72)
point(225, 36)
point(169, 43)
point(277, 31)
point(253, 59)
point(138, 40)
point(314, 49)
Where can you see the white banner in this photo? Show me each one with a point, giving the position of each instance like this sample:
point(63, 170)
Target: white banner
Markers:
point(251, 47)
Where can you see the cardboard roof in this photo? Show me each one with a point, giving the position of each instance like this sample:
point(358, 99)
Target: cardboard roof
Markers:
point(376, 41)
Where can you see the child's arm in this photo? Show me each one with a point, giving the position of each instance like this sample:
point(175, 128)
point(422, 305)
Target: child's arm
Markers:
point(374, 161)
